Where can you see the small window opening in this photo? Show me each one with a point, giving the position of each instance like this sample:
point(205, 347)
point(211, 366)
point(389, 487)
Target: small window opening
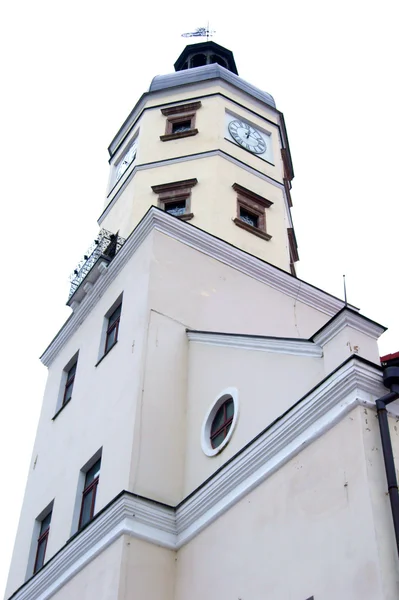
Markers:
point(181, 126)
point(42, 543)
point(112, 329)
point(249, 217)
point(176, 208)
point(69, 384)
point(89, 494)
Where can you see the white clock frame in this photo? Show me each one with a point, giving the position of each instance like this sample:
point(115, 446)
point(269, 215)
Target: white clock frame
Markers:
point(266, 136)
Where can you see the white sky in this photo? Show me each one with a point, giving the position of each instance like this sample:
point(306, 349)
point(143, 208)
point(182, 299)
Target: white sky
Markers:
point(71, 73)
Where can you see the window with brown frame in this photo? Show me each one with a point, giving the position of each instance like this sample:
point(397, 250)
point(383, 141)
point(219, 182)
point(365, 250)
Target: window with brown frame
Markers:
point(70, 378)
point(222, 422)
point(251, 211)
point(42, 543)
point(175, 198)
point(89, 494)
point(111, 336)
point(180, 121)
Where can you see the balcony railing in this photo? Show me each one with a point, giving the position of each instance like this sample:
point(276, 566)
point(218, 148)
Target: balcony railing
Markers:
point(105, 247)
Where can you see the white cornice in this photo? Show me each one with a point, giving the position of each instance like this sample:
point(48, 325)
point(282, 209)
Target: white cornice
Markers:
point(260, 343)
point(354, 384)
point(129, 174)
point(203, 242)
point(348, 318)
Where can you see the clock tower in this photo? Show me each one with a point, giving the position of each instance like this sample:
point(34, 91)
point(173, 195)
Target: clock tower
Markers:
point(208, 424)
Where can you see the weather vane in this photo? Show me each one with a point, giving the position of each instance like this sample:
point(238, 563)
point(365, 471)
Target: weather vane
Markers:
point(200, 32)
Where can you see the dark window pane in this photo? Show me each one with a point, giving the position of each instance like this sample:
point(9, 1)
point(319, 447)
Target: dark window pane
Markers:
point(72, 371)
point(221, 424)
point(218, 439)
point(93, 473)
point(68, 392)
point(41, 551)
point(181, 126)
point(115, 316)
point(218, 420)
point(111, 338)
point(87, 501)
point(176, 208)
point(249, 217)
point(45, 524)
point(229, 409)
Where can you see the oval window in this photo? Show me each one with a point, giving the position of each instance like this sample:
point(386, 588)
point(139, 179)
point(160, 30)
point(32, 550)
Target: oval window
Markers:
point(222, 422)
point(219, 422)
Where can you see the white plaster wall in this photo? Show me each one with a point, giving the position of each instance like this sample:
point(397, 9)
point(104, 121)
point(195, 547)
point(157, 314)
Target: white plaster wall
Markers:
point(379, 498)
point(268, 384)
point(347, 342)
point(202, 293)
point(99, 580)
point(159, 439)
point(101, 413)
point(307, 530)
point(148, 572)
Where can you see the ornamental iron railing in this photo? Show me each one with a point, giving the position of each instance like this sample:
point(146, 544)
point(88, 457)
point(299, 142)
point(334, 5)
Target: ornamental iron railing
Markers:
point(106, 246)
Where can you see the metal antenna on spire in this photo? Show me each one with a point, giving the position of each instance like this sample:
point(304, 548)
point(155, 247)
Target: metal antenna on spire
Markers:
point(346, 300)
point(200, 32)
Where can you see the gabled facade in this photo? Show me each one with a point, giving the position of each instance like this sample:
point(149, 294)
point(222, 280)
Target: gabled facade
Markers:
point(208, 425)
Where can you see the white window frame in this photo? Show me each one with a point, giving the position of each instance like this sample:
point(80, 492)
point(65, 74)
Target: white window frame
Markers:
point(210, 415)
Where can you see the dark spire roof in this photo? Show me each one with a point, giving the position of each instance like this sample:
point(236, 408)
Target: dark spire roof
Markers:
point(205, 53)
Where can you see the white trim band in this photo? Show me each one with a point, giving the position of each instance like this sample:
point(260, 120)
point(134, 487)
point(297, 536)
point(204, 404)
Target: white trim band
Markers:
point(354, 384)
point(348, 318)
point(259, 343)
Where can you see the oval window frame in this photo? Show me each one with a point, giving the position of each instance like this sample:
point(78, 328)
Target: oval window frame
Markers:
point(230, 392)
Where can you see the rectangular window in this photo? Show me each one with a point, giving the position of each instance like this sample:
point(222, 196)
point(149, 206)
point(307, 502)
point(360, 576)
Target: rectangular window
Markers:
point(180, 126)
point(69, 384)
point(42, 542)
point(176, 208)
point(251, 211)
point(248, 217)
point(112, 329)
point(180, 121)
point(89, 494)
point(175, 198)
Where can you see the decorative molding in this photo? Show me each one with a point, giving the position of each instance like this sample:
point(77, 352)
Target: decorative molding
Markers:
point(129, 515)
point(251, 229)
point(179, 109)
point(347, 318)
point(259, 343)
point(167, 137)
point(251, 195)
point(174, 186)
point(203, 242)
point(117, 191)
point(351, 385)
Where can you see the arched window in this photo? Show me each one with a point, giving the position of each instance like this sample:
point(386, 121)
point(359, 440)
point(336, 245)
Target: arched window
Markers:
point(217, 59)
point(198, 60)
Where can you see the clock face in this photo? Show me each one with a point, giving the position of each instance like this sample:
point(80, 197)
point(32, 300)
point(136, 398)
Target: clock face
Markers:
point(126, 160)
point(247, 136)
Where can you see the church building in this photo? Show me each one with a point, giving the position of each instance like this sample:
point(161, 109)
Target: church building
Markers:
point(209, 426)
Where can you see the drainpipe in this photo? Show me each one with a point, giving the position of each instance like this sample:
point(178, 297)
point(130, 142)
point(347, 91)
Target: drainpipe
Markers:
point(391, 381)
